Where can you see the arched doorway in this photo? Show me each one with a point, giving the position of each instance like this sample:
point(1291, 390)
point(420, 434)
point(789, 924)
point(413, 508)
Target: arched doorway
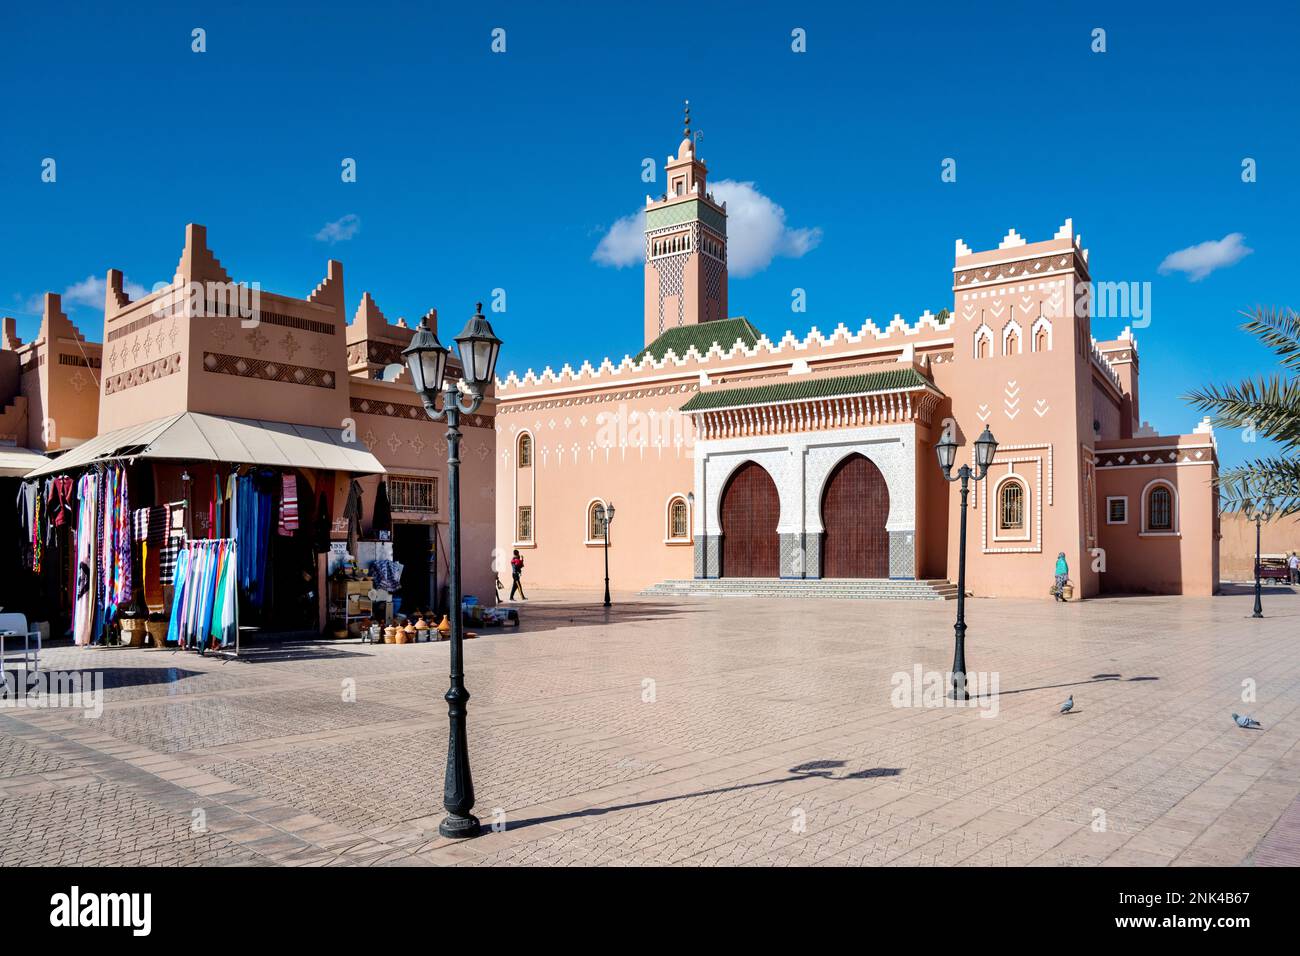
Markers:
point(750, 510)
point(855, 507)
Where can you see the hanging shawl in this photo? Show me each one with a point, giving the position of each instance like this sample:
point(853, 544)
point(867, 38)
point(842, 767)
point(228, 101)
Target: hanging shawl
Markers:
point(382, 519)
point(352, 511)
point(84, 608)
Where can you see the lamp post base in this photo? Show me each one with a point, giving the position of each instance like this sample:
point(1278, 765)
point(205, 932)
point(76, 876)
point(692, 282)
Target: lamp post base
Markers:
point(457, 827)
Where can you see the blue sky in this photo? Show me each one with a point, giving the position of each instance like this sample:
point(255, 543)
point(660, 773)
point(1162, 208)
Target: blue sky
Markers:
point(478, 170)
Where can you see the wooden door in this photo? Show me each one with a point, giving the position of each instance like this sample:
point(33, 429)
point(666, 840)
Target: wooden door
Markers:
point(751, 509)
point(855, 507)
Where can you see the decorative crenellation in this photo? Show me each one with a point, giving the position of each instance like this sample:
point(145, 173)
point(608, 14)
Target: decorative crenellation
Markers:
point(1103, 363)
point(764, 347)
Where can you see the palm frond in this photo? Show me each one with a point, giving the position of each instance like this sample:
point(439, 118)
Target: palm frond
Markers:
point(1271, 406)
point(1262, 484)
point(1279, 329)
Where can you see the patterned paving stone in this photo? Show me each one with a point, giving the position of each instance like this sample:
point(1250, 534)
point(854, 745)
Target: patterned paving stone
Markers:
point(704, 733)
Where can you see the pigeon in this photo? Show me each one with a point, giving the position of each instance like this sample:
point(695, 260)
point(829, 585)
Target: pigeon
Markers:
point(1248, 722)
point(1068, 705)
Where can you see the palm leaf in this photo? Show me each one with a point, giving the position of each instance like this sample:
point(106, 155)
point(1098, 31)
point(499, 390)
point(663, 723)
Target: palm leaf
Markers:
point(1263, 484)
point(1271, 406)
point(1279, 329)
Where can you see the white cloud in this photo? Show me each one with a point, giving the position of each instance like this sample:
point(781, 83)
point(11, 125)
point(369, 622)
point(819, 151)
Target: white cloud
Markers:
point(340, 230)
point(756, 233)
point(1200, 260)
point(624, 244)
point(89, 292)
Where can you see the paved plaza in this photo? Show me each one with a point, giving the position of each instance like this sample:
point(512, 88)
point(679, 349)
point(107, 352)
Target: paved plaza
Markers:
point(718, 732)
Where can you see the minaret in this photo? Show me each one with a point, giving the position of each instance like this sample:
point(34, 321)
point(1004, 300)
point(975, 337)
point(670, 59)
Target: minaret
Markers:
point(686, 246)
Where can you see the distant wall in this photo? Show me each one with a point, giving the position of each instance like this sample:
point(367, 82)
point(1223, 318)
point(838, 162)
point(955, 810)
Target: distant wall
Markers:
point(1237, 547)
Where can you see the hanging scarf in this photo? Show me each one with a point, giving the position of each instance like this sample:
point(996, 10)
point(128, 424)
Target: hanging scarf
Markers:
point(83, 629)
point(288, 504)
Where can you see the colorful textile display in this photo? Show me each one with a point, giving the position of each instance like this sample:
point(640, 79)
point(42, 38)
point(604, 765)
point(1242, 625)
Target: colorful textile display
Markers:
point(288, 504)
point(254, 514)
point(83, 629)
point(115, 555)
point(205, 603)
point(27, 524)
point(173, 536)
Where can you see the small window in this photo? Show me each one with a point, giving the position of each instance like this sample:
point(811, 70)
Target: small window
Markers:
point(1117, 511)
point(1011, 507)
point(416, 495)
point(525, 451)
point(1040, 341)
point(596, 522)
point(1160, 510)
point(524, 524)
point(678, 520)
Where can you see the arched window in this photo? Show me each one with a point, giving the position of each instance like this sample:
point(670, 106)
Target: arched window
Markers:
point(596, 521)
point(1011, 507)
point(1040, 334)
point(1160, 509)
point(983, 342)
point(678, 520)
point(525, 450)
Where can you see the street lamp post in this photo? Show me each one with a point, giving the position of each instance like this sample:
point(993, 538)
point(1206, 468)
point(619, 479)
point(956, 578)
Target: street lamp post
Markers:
point(1259, 604)
point(985, 446)
point(427, 360)
point(608, 519)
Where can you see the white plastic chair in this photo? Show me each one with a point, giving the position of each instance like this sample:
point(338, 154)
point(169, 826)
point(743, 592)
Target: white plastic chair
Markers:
point(15, 625)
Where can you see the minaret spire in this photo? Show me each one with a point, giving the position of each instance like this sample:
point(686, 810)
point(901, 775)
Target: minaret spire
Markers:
point(686, 133)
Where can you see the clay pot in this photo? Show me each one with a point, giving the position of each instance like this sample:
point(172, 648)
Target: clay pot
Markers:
point(444, 628)
point(390, 634)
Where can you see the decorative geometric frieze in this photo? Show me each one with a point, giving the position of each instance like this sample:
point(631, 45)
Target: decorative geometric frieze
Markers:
point(267, 370)
point(148, 372)
point(370, 406)
point(1020, 269)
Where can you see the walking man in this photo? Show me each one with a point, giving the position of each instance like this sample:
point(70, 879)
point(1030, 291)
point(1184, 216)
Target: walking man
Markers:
point(516, 571)
point(1293, 563)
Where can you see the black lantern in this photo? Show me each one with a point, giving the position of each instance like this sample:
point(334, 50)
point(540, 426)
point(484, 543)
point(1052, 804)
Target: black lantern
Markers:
point(985, 447)
point(427, 360)
point(478, 347)
point(947, 452)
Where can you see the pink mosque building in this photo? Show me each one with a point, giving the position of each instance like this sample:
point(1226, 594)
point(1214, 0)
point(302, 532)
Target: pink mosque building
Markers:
point(729, 455)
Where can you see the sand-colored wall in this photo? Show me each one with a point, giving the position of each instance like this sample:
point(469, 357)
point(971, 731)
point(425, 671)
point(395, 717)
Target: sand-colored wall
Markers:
point(1237, 545)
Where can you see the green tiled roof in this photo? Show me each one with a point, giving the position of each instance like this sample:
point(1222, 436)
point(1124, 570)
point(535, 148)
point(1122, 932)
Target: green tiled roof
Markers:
point(702, 336)
point(885, 381)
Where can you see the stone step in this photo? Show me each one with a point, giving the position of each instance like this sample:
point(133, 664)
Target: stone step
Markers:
point(880, 589)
